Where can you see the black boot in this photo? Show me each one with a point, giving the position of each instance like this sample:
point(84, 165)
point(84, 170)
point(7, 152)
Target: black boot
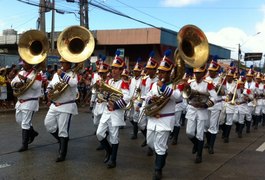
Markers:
point(211, 143)
point(254, 123)
point(100, 147)
point(113, 157)
point(222, 127)
point(227, 133)
point(199, 152)
point(263, 119)
point(32, 134)
point(135, 130)
point(55, 135)
point(240, 129)
point(194, 140)
point(182, 119)
point(62, 149)
point(25, 140)
point(150, 152)
point(248, 126)
point(258, 120)
point(175, 135)
point(208, 136)
point(160, 162)
point(144, 133)
point(237, 127)
point(107, 148)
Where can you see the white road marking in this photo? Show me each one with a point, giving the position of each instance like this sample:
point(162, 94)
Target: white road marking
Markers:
point(4, 165)
point(261, 148)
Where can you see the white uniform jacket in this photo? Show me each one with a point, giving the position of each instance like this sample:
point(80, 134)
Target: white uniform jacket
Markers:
point(259, 92)
point(117, 116)
point(229, 89)
point(252, 87)
point(30, 99)
point(203, 87)
point(165, 118)
point(135, 84)
point(94, 79)
point(219, 100)
point(68, 97)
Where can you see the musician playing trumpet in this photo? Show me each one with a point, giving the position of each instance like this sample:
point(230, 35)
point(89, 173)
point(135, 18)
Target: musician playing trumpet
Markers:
point(162, 123)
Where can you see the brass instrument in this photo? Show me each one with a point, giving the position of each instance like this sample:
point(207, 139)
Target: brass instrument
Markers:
point(233, 101)
point(115, 94)
point(219, 87)
point(75, 44)
point(33, 47)
point(193, 49)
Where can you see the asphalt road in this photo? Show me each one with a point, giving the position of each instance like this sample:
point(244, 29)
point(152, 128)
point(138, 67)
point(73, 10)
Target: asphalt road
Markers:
point(239, 159)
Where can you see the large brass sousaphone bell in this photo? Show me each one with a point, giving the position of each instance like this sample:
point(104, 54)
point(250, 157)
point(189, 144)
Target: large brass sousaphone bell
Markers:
point(193, 46)
point(193, 49)
point(33, 46)
point(75, 44)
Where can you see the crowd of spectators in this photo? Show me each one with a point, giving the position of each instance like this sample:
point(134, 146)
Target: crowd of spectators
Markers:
point(8, 100)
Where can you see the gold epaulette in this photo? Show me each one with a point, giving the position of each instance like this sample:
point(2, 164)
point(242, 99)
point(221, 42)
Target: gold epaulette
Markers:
point(208, 81)
point(191, 80)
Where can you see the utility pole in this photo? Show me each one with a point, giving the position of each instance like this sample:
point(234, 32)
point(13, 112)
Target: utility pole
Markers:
point(52, 26)
point(42, 16)
point(239, 57)
point(83, 13)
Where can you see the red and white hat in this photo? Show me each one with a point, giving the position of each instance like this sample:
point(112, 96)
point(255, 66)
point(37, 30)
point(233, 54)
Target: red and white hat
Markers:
point(137, 66)
point(118, 61)
point(125, 72)
point(250, 72)
point(200, 69)
point(151, 63)
point(214, 66)
point(166, 64)
point(103, 67)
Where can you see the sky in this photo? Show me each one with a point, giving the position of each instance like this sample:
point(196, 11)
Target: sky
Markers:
point(226, 23)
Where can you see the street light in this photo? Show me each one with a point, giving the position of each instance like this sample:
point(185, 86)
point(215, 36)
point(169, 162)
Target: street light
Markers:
point(239, 50)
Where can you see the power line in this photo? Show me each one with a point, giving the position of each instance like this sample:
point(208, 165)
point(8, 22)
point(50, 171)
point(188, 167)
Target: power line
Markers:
point(148, 14)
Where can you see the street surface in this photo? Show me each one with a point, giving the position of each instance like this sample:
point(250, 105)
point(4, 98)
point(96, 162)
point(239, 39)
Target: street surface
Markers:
point(239, 159)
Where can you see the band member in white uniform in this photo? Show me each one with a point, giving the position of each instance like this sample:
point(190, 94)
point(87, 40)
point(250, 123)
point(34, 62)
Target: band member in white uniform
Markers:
point(212, 125)
point(94, 78)
point(113, 116)
point(28, 102)
point(58, 118)
point(151, 68)
point(259, 95)
point(100, 103)
point(230, 89)
point(135, 94)
point(161, 124)
point(250, 85)
point(197, 112)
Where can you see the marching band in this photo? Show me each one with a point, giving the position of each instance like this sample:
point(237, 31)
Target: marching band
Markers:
point(154, 103)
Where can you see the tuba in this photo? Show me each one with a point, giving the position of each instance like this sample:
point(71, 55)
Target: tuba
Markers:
point(75, 44)
point(193, 49)
point(33, 48)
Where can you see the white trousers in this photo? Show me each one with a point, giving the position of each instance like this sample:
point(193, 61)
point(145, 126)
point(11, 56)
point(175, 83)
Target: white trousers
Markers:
point(177, 118)
point(24, 118)
point(212, 124)
point(195, 128)
point(58, 120)
point(113, 132)
point(157, 140)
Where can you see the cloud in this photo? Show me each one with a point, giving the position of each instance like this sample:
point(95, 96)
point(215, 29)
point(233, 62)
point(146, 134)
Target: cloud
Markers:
point(231, 37)
point(182, 3)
